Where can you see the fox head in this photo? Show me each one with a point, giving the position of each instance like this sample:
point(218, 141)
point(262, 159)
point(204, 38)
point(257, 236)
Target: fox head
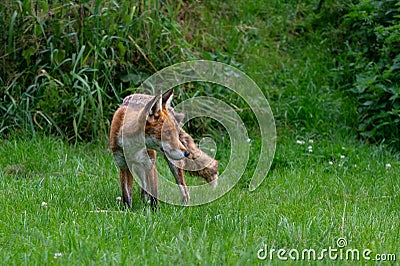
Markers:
point(162, 129)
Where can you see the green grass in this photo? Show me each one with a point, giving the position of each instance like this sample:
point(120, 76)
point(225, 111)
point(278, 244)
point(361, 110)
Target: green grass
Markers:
point(305, 202)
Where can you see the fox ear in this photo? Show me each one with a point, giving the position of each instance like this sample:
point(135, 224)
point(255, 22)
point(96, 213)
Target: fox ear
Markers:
point(167, 98)
point(154, 106)
point(179, 117)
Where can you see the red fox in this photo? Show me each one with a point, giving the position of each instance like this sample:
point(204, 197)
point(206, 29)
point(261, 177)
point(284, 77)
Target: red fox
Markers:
point(161, 133)
point(197, 163)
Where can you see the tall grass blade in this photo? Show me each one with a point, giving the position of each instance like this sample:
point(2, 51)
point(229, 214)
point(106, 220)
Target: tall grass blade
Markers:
point(11, 32)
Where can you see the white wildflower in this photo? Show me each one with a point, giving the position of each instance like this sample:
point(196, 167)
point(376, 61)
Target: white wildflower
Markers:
point(310, 141)
point(57, 255)
point(44, 204)
point(342, 156)
point(300, 142)
point(330, 162)
point(118, 199)
point(388, 166)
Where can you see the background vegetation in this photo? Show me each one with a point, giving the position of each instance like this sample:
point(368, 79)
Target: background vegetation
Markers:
point(66, 65)
point(329, 69)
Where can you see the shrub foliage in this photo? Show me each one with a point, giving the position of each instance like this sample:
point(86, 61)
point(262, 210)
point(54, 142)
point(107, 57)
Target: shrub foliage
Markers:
point(65, 65)
point(369, 67)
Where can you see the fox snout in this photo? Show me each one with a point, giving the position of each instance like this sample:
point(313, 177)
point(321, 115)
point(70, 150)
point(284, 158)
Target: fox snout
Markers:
point(185, 151)
point(175, 154)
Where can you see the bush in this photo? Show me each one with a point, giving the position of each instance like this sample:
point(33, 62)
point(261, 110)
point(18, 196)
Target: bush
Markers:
point(370, 67)
point(65, 66)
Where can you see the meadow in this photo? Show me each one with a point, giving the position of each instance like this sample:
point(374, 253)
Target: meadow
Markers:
point(59, 207)
point(334, 181)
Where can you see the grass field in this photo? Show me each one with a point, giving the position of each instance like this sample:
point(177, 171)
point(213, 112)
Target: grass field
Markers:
point(308, 200)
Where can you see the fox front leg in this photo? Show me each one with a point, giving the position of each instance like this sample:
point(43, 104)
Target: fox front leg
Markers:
point(177, 170)
point(152, 179)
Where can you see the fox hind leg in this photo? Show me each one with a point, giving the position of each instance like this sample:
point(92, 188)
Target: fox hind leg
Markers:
point(126, 186)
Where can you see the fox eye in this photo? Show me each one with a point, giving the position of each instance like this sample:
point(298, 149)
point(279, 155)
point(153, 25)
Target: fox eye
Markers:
point(168, 133)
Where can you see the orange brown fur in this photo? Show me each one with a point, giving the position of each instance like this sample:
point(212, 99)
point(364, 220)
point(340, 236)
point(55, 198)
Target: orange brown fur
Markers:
point(207, 165)
point(116, 125)
point(160, 132)
point(204, 166)
point(154, 126)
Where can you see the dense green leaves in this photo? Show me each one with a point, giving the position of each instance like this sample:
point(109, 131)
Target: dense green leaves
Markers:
point(66, 65)
point(371, 63)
